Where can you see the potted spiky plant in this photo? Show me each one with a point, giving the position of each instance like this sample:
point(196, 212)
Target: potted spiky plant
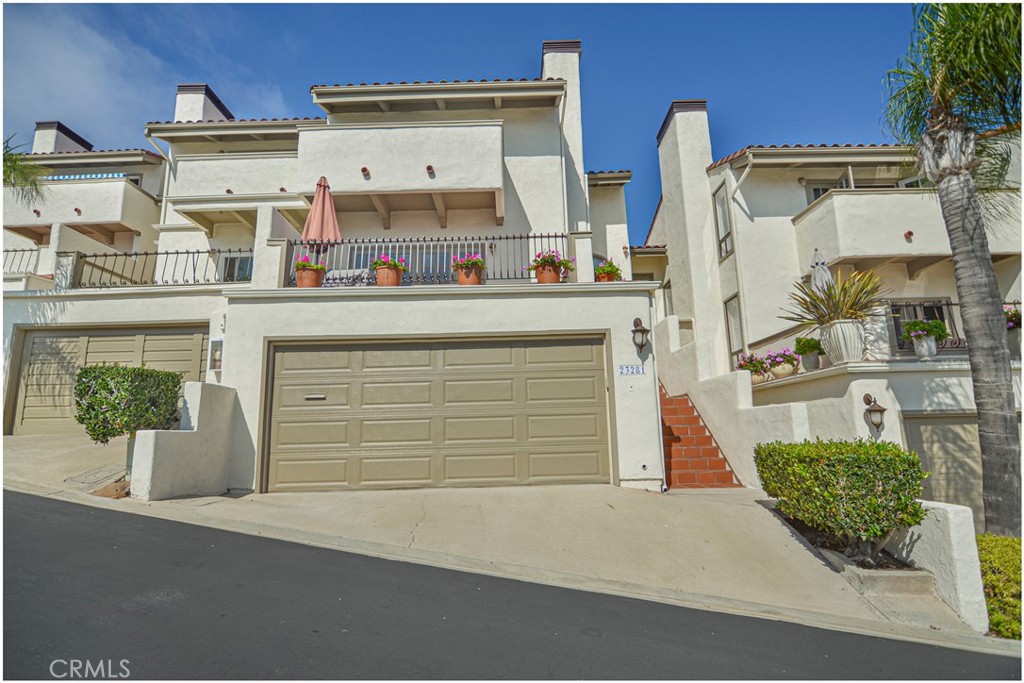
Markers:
point(839, 310)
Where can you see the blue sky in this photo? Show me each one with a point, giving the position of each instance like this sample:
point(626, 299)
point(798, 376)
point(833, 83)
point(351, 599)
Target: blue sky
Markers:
point(771, 73)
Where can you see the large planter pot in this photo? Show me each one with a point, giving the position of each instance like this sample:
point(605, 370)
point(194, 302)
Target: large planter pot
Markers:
point(388, 277)
point(843, 341)
point(784, 370)
point(758, 378)
point(548, 275)
point(925, 348)
point(606, 277)
point(1014, 342)
point(810, 361)
point(309, 277)
point(471, 276)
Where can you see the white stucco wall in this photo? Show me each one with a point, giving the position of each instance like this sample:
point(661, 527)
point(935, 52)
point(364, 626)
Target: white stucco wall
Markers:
point(449, 313)
point(610, 227)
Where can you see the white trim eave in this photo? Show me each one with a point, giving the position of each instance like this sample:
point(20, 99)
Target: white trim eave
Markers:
point(289, 199)
point(163, 131)
point(93, 158)
point(117, 292)
point(824, 156)
point(528, 289)
point(326, 97)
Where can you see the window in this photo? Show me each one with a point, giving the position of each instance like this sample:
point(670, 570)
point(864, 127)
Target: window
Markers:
point(734, 328)
point(904, 311)
point(723, 222)
point(236, 269)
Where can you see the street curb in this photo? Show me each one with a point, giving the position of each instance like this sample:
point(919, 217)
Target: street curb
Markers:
point(195, 516)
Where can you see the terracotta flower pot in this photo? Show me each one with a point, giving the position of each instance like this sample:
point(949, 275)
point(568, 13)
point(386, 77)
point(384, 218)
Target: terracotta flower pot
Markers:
point(470, 276)
point(388, 277)
point(309, 277)
point(548, 275)
point(606, 277)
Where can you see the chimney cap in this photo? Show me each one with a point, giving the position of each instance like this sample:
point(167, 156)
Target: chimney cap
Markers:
point(563, 46)
point(206, 91)
point(65, 131)
point(679, 107)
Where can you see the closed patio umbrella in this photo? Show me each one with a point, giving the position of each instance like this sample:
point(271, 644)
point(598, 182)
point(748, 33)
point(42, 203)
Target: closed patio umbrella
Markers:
point(821, 276)
point(322, 221)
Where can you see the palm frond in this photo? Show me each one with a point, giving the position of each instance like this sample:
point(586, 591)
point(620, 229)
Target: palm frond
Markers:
point(21, 176)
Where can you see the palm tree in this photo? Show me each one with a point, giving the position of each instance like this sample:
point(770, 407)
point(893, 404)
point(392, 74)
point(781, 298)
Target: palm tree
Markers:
point(961, 76)
point(20, 175)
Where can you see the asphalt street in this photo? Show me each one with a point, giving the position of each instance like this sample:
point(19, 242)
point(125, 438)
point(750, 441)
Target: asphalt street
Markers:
point(146, 598)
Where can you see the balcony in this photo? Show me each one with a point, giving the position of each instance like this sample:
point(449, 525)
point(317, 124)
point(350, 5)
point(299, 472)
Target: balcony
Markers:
point(99, 207)
point(156, 268)
point(428, 259)
point(20, 261)
point(870, 227)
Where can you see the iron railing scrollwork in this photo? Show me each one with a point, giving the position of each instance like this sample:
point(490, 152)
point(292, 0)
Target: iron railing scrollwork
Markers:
point(154, 268)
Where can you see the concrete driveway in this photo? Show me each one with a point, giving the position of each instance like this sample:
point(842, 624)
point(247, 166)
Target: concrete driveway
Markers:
point(722, 550)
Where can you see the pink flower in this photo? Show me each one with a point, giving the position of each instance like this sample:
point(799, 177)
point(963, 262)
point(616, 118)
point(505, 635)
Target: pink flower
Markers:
point(305, 259)
point(401, 259)
point(385, 258)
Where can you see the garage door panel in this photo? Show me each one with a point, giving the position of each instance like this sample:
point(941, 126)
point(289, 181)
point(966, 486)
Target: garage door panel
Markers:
point(311, 397)
point(311, 473)
point(492, 412)
point(51, 360)
point(397, 431)
point(396, 393)
point(477, 391)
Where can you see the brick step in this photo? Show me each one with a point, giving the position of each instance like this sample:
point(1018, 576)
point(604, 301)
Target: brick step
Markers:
point(692, 457)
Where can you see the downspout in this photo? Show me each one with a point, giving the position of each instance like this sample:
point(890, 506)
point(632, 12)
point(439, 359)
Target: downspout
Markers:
point(739, 263)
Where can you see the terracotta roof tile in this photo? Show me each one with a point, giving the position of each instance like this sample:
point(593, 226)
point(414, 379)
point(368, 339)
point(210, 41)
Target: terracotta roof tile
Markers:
point(482, 80)
point(737, 154)
point(621, 170)
point(94, 151)
point(281, 120)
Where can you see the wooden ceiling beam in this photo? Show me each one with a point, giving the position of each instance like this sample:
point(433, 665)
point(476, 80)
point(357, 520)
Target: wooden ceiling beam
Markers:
point(381, 205)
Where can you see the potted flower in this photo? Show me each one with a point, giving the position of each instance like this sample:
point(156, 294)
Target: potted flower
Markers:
point(926, 335)
point(607, 272)
point(1013, 329)
point(550, 267)
point(470, 268)
point(307, 273)
point(389, 271)
point(809, 350)
point(839, 309)
point(782, 363)
point(755, 365)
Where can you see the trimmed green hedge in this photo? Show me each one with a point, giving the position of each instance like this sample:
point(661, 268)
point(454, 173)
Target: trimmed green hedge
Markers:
point(859, 492)
point(1000, 573)
point(113, 400)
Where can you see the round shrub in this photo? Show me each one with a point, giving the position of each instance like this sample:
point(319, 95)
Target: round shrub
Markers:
point(1000, 574)
point(114, 400)
point(859, 492)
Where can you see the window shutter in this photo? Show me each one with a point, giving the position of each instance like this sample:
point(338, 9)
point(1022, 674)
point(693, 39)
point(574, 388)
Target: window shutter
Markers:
point(722, 210)
point(735, 328)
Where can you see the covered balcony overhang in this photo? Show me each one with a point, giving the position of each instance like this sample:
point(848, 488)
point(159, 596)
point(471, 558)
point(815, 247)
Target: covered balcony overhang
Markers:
point(817, 156)
point(387, 203)
point(237, 131)
point(62, 162)
point(406, 97)
point(207, 212)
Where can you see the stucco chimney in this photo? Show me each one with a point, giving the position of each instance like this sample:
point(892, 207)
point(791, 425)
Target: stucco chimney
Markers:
point(561, 59)
point(54, 136)
point(198, 102)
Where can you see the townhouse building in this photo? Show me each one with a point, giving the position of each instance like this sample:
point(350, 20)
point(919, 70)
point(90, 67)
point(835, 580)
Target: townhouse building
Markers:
point(185, 261)
point(730, 238)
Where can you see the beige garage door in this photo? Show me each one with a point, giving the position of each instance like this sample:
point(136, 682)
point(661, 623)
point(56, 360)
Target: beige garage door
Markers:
point(437, 414)
point(949, 449)
point(51, 359)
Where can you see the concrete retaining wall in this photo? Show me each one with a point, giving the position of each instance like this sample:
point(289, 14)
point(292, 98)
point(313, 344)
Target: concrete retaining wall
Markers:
point(945, 545)
point(193, 461)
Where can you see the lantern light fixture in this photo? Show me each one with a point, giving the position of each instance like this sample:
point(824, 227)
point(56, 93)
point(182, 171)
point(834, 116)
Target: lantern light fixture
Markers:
point(874, 412)
point(640, 334)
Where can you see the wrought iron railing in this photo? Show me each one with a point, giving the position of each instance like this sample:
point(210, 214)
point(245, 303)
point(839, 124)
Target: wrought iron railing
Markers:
point(901, 312)
point(428, 259)
point(18, 261)
point(147, 268)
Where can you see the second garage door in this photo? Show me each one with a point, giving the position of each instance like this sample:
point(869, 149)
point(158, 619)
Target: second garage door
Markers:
point(437, 414)
point(45, 401)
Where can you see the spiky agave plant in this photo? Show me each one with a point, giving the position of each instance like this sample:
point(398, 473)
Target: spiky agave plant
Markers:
point(851, 298)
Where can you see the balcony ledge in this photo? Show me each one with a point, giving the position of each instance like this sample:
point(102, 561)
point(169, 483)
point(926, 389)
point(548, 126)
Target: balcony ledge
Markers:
point(953, 364)
point(567, 289)
point(128, 291)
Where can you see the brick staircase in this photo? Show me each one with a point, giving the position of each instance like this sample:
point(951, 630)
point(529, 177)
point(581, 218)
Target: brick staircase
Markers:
point(692, 458)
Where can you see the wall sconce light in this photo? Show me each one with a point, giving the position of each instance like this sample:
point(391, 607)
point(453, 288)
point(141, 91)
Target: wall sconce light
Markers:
point(640, 334)
point(216, 356)
point(874, 412)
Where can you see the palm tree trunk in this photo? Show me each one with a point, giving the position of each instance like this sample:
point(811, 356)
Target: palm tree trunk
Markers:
point(988, 351)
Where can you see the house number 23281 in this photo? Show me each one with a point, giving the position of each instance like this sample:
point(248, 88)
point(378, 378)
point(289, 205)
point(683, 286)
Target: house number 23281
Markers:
point(631, 370)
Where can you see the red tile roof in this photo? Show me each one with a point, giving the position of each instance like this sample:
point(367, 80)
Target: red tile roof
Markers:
point(482, 80)
point(621, 170)
point(283, 119)
point(94, 151)
point(737, 154)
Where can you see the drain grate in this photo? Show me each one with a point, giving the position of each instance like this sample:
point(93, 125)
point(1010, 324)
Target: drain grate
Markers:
point(96, 475)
